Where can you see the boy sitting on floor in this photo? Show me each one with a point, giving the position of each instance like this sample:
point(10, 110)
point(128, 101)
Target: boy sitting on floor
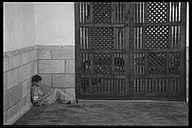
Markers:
point(41, 97)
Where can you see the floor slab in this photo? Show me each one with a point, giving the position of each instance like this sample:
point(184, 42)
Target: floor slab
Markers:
point(108, 113)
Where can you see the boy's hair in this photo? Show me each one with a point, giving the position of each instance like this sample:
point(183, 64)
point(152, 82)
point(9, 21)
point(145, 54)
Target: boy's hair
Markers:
point(36, 78)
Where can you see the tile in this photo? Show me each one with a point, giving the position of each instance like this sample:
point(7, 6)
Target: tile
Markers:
point(33, 68)
point(33, 55)
point(5, 101)
point(28, 86)
point(8, 99)
point(24, 88)
point(12, 112)
point(30, 56)
point(30, 66)
point(12, 78)
point(51, 66)
point(18, 92)
point(63, 52)
point(46, 79)
point(21, 74)
point(27, 71)
point(15, 94)
point(22, 103)
point(5, 64)
point(25, 58)
point(70, 66)
point(64, 80)
point(44, 53)
point(28, 99)
point(15, 61)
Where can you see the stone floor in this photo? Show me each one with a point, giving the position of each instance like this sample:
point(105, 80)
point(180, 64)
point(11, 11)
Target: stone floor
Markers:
point(108, 113)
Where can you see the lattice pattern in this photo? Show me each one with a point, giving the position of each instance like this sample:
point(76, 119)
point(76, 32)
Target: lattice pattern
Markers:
point(139, 63)
point(97, 85)
point(84, 86)
point(156, 63)
point(157, 12)
point(107, 86)
point(156, 37)
point(102, 12)
point(84, 9)
point(150, 86)
point(101, 38)
point(174, 63)
point(139, 60)
point(157, 60)
point(85, 62)
point(102, 63)
point(119, 63)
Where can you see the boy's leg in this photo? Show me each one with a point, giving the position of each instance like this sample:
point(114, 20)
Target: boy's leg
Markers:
point(64, 96)
point(52, 97)
point(61, 93)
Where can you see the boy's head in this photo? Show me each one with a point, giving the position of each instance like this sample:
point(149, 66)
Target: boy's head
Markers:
point(36, 78)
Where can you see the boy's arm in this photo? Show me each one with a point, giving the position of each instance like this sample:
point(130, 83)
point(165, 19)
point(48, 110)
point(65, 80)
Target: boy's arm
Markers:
point(46, 89)
point(40, 92)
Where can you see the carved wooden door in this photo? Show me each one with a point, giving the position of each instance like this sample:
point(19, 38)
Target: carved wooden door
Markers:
point(130, 50)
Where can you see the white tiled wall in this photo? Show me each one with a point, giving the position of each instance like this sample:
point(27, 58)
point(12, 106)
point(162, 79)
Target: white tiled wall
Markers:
point(57, 63)
point(64, 80)
point(70, 66)
point(51, 66)
point(15, 61)
point(66, 52)
point(46, 79)
point(19, 66)
point(12, 78)
point(24, 88)
point(44, 53)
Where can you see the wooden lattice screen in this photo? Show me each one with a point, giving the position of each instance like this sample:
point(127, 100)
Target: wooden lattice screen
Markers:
point(130, 50)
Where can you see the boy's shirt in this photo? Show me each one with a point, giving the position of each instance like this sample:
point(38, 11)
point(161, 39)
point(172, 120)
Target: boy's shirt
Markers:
point(46, 89)
point(41, 94)
point(36, 94)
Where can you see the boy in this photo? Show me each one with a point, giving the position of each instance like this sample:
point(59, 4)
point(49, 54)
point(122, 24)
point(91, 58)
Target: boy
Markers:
point(41, 97)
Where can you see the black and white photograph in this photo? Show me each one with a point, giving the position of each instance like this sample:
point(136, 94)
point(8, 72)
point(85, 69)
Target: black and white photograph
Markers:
point(96, 63)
